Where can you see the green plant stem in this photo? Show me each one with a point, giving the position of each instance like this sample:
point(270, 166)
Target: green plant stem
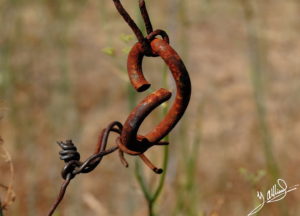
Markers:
point(150, 209)
point(166, 148)
point(187, 196)
point(141, 180)
point(151, 197)
point(1, 210)
point(256, 56)
point(163, 175)
point(257, 69)
point(131, 96)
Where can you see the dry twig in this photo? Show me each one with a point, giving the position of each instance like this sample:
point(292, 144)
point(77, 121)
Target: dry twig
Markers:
point(9, 196)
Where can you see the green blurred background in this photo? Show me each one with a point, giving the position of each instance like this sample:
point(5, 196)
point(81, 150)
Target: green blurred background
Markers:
point(63, 76)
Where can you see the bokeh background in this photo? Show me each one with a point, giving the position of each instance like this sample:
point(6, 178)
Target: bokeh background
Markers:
point(63, 76)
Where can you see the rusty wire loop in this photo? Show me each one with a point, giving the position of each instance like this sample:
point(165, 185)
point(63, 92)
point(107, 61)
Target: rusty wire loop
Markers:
point(128, 140)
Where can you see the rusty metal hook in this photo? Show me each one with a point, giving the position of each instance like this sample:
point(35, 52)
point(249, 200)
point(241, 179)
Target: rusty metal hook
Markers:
point(130, 141)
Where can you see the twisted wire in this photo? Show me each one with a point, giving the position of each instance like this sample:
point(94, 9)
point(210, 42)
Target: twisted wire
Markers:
point(71, 157)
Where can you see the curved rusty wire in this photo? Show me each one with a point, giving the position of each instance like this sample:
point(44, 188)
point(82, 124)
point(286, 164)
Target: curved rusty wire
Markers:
point(138, 33)
point(129, 136)
point(145, 16)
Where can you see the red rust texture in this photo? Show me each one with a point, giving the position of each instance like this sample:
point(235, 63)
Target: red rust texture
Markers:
point(129, 137)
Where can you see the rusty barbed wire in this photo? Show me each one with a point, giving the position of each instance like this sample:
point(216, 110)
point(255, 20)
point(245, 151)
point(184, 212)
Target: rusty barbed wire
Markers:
point(128, 140)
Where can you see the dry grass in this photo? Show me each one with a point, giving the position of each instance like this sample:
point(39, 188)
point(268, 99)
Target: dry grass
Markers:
point(6, 188)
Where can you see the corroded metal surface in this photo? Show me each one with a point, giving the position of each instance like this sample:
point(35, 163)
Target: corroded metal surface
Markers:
point(183, 92)
point(141, 111)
